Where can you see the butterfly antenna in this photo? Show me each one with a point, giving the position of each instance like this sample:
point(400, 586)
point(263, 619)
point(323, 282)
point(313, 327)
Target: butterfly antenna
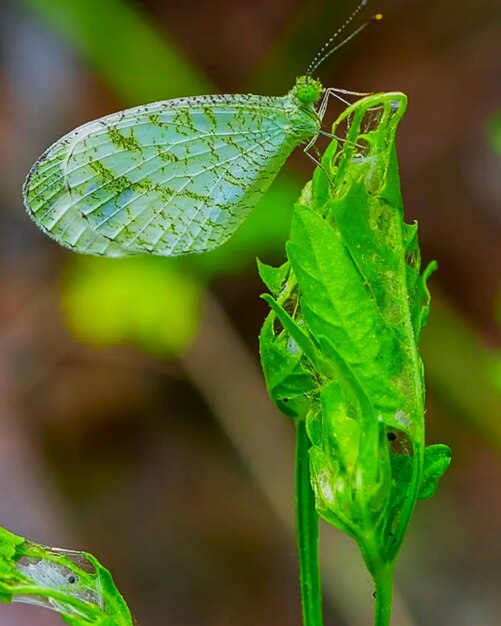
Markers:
point(325, 52)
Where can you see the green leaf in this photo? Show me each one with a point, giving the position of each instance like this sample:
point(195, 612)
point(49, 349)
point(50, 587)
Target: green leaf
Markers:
point(335, 303)
point(301, 341)
point(72, 583)
point(437, 459)
point(273, 277)
point(289, 382)
point(494, 132)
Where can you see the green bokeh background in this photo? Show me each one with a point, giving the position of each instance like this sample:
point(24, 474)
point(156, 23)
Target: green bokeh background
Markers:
point(133, 417)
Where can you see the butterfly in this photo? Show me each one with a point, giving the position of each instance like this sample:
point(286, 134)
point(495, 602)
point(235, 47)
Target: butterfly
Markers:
point(172, 177)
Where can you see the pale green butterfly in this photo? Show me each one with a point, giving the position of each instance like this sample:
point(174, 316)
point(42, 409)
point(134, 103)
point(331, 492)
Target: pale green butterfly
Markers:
point(173, 177)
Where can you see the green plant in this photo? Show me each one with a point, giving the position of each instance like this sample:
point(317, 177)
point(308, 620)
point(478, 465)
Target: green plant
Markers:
point(339, 352)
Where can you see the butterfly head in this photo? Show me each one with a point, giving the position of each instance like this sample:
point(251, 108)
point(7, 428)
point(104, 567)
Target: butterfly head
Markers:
point(308, 90)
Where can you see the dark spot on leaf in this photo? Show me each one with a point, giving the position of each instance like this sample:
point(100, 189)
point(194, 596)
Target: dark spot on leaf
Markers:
point(412, 258)
point(400, 443)
point(277, 326)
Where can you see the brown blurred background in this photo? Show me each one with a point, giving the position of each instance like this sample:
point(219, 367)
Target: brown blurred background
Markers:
point(134, 421)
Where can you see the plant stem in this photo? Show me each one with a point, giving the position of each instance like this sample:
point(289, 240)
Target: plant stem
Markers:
point(384, 596)
point(307, 533)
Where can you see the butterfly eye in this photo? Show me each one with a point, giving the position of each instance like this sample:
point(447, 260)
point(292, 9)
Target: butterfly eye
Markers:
point(72, 579)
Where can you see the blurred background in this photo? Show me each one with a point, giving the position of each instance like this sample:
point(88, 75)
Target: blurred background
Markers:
point(134, 421)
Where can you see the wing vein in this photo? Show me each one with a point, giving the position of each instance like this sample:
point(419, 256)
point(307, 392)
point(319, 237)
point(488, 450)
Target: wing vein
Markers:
point(137, 182)
point(117, 152)
point(220, 163)
point(229, 162)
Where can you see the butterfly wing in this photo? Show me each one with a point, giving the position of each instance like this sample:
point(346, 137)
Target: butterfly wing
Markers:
point(168, 178)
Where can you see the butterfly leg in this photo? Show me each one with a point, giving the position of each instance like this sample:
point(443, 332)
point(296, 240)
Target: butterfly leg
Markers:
point(308, 154)
point(325, 101)
point(316, 161)
point(331, 91)
point(335, 92)
point(324, 133)
point(350, 93)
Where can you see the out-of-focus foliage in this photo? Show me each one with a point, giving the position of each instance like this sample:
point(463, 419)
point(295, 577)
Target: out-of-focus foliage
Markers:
point(494, 132)
point(463, 372)
point(494, 137)
point(134, 58)
point(139, 301)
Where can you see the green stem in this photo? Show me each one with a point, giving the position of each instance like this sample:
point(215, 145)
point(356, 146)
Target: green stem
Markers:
point(307, 533)
point(384, 597)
